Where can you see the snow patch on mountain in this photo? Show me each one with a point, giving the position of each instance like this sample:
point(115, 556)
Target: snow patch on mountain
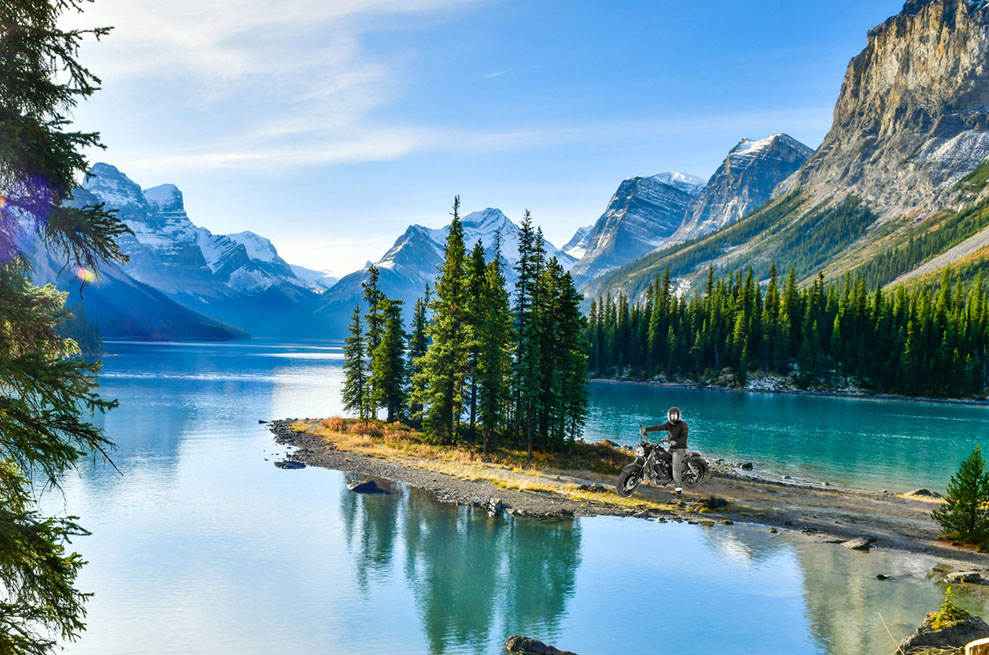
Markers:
point(319, 280)
point(257, 246)
point(577, 245)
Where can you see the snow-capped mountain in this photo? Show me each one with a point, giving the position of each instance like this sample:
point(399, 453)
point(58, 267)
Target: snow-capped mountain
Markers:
point(414, 259)
point(745, 180)
point(640, 217)
point(121, 306)
point(237, 278)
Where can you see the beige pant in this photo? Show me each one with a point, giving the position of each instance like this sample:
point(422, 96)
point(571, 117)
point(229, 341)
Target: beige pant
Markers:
point(678, 455)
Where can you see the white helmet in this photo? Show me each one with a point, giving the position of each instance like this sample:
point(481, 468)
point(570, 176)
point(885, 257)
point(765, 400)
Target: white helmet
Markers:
point(673, 415)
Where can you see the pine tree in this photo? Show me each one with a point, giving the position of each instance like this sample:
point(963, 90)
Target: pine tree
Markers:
point(494, 348)
point(532, 316)
point(388, 372)
point(522, 313)
point(965, 513)
point(474, 315)
point(44, 387)
point(374, 320)
point(445, 363)
point(418, 345)
point(572, 358)
point(356, 390)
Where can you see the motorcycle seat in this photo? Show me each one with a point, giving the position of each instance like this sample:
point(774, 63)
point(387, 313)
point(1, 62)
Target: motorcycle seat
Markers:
point(693, 453)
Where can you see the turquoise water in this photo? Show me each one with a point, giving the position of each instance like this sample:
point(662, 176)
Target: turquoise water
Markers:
point(200, 545)
point(897, 445)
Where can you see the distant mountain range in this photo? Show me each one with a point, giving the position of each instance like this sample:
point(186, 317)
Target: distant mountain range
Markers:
point(415, 258)
point(649, 213)
point(897, 190)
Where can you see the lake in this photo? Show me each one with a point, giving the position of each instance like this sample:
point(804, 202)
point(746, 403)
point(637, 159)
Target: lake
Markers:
point(200, 545)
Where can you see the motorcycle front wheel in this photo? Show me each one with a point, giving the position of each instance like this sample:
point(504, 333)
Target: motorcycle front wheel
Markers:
point(694, 473)
point(628, 480)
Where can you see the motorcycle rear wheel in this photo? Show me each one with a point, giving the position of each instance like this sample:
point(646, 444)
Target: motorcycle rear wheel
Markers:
point(694, 473)
point(629, 480)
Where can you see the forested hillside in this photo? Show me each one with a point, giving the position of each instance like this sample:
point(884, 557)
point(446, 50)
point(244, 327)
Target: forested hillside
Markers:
point(919, 341)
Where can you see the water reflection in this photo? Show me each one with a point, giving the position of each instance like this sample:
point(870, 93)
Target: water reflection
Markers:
point(468, 573)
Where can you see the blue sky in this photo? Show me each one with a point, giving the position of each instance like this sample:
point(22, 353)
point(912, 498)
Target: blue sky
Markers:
point(329, 126)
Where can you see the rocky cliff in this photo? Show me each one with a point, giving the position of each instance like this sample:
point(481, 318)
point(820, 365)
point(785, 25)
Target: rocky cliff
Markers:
point(912, 117)
point(640, 217)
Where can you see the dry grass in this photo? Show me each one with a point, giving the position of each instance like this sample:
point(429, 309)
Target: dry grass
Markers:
point(505, 467)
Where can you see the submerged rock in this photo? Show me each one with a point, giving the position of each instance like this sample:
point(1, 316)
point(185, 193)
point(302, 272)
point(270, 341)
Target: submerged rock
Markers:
point(366, 487)
point(858, 543)
point(529, 646)
point(713, 502)
point(289, 464)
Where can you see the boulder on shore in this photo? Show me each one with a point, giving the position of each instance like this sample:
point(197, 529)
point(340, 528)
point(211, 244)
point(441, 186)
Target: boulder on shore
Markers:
point(971, 577)
point(366, 487)
point(954, 636)
point(923, 493)
point(609, 443)
point(289, 464)
point(529, 646)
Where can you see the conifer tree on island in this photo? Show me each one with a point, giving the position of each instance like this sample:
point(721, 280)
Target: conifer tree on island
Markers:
point(474, 316)
point(356, 390)
point(494, 348)
point(44, 388)
point(418, 344)
point(445, 363)
point(965, 513)
point(388, 367)
point(374, 320)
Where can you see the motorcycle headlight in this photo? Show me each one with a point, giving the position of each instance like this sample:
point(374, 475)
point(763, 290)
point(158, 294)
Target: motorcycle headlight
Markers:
point(640, 451)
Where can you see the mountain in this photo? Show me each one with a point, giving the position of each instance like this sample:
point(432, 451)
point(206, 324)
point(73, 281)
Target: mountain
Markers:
point(122, 307)
point(237, 279)
point(745, 180)
point(897, 189)
point(414, 259)
point(640, 217)
point(912, 117)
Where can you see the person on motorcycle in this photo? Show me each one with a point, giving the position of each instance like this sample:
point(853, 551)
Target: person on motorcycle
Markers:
point(678, 443)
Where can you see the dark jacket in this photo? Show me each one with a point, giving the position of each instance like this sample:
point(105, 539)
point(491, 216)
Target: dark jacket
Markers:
point(678, 433)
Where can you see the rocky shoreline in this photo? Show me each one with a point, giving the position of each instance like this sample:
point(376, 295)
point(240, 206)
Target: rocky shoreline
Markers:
point(731, 495)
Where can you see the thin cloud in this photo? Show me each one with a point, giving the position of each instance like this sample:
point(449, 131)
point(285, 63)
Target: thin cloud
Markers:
point(312, 143)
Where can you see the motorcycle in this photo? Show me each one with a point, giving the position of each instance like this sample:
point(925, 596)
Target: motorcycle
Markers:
point(656, 462)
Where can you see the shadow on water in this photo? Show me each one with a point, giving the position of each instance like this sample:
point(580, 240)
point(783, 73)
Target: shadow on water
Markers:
point(469, 574)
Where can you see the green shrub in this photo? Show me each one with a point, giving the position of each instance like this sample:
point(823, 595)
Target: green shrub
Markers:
point(965, 512)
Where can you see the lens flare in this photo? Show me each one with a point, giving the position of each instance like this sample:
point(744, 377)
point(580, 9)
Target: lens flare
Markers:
point(85, 275)
point(3, 202)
